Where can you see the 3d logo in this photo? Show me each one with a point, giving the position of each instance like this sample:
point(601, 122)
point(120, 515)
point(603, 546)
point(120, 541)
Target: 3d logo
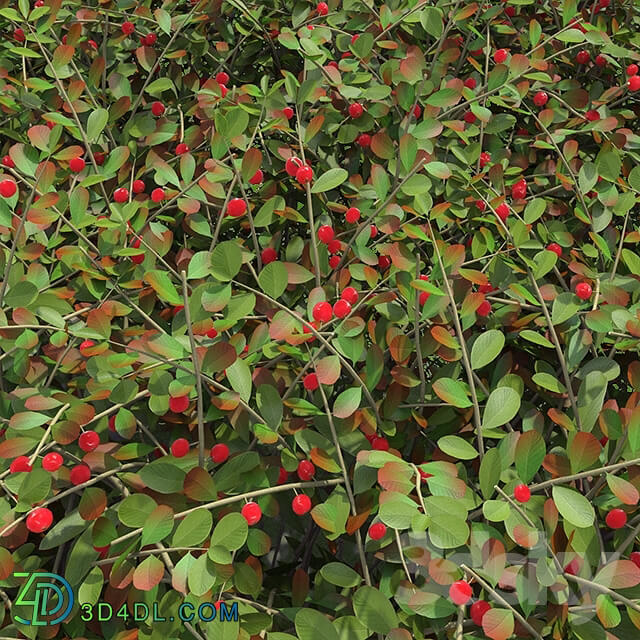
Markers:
point(37, 592)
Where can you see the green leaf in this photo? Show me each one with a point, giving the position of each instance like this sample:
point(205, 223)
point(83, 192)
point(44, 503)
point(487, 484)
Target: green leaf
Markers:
point(199, 265)
point(591, 398)
point(270, 405)
point(530, 452)
point(329, 180)
point(96, 123)
point(564, 307)
point(273, 279)
point(340, 575)
point(226, 260)
point(134, 510)
point(438, 170)
point(162, 477)
point(452, 392)
point(374, 610)
point(239, 376)
point(193, 529)
point(486, 348)
point(311, 625)
point(573, 507)
point(347, 402)
point(503, 405)
point(457, 447)
point(162, 285)
point(549, 382)
point(158, 525)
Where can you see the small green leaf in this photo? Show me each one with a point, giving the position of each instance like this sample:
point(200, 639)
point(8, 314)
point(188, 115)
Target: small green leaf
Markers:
point(503, 404)
point(329, 180)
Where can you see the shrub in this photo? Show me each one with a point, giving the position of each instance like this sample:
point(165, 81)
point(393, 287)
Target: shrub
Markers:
point(327, 311)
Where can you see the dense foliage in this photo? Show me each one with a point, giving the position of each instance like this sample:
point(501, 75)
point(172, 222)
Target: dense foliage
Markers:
point(329, 310)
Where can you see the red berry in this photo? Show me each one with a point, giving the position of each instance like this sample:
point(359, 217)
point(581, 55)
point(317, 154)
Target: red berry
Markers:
point(632, 69)
point(583, 57)
point(8, 162)
point(541, 98)
point(350, 295)
point(478, 609)
point(79, 474)
point(268, 255)
point(236, 207)
point(352, 215)
point(484, 309)
point(635, 558)
point(377, 531)
point(364, 140)
point(481, 205)
point(325, 234)
point(157, 195)
point(423, 297)
point(18, 35)
point(356, 110)
point(8, 188)
point(470, 83)
point(99, 157)
point(252, 513)
point(301, 504)
point(373, 231)
point(341, 309)
point(121, 195)
point(257, 178)
point(157, 108)
point(88, 440)
point(601, 61)
point(510, 11)
point(384, 262)
point(323, 9)
point(460, 592)
point(417, 111)
point(128, 28)
point(283, 476)
point(334, 261)
point(616, 519)
point(292, 165)
point(380, 444)
point(180, 448)
point(522, 493)
point(304, 174)
point(592, 115)
point(583, 290)
point(150, 39)
point(182, 148)
point(222, 78)
point(503, 211)
point(219, 453)
point(178, 404)
point(322, 312)
point(21, 463)
point(310, 382)
point(76, 165)
point(212, 333)
point(485, 159)
point(334, 246)
point(52, 461)
point(39, 520)
point(287, 112)
point(138, 186)
point(86, 344)
point(556, 248)
point(500, 55)
point(633, 83)
point(424, 475)
point(519, 189)
point(306, 470)
point(469, 117)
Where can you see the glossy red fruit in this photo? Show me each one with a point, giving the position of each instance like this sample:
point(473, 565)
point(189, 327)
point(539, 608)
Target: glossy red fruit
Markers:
point(8, 188)
point(283, 476)
point(556, 248)
point(423, 297)
point(352, 215)
point(18, 35)
point(485, 159)
point(236, 207)
point(477, 611)
point(8, 162)
point(138, 186)
point(292, 165)
point(99, 157)
point(212, 333)
point(503, 211)
point(310, 382)
point(79, 474)
point(522, 493)
point(356, 110)
point(341, 309)
point(633, 83)
point(460, 592)
point(635, 558)
point(268, 255)
point(541, 98)
point(257, 177)
point(288, 112)
point(583, 290)
point(616, 519)
point(39, 520)
point(180, 448)
point(128, 28)
point(52, 461)
point(582, 57)
point(178, 404)
point(325, 234)
point(364, 140)
point(469, 117)
point(86, 344)
point(484, 309)
point(301, 504)
point(219, 453)
point(157, 108)
point(138, 258)
point(182, 148)
point(470, 83)
point(601, 61)
point(322, 312)
point(304, 175)
point(632, 69)
point(157, 195)
point(252, 513)
point(334, 261)
point(350, 295)
point(77, 165)
point(519, 189)
point(377, 531)
point(306, 470)
point(500, 56)
point(417, 112)
point(334, 246)
point(121, 195)
point(21, 463)
point(373, 231)
point(88, 441)
point(322, 8)
point(380, 444)
point(222, 78)
point(481, 205)
point(592, 115)
point(150, 39)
